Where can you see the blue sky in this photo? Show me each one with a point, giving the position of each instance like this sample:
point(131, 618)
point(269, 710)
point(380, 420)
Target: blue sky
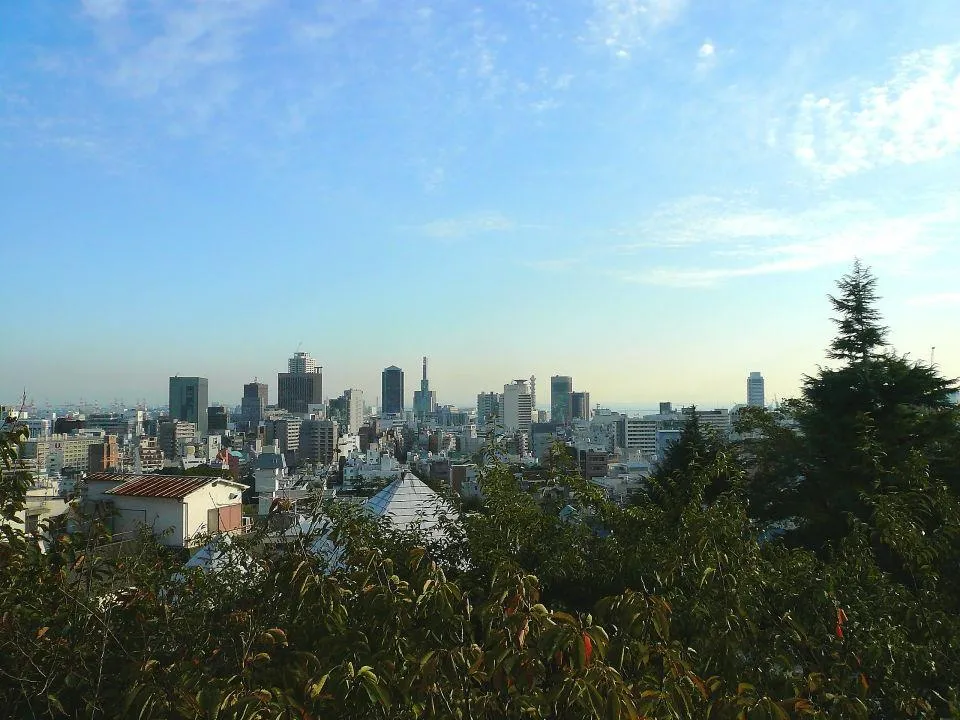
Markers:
point(653, 196)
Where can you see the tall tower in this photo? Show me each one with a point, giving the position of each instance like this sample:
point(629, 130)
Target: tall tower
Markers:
point(424, 401)
point(755, 397)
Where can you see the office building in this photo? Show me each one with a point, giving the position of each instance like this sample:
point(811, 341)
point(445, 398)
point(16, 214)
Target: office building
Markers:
point(254, 402)
point(284, 433)
point(517, 407)
point(105, 456)
point(188, 401)
point(173, 435)
point(301, 386)
point(488, 408)
point(62, 452)
point(353, 409)
point(755, 390)
point(318, 441)
point(217, 419)
point(392, 391)
point(561, 388)
point(580, 406)
point(424, 399)
point(637, 433)
point(719, 419)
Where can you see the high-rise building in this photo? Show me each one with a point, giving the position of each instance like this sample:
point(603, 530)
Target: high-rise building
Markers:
point(561, 387)
point(353, 399)
point(254, 402)
point(580, 406)
point(424, 399)
point(188, 401)
point(301, 363)
point(392, 391)
point(301, 386)
point(755, 390)
point(318, 441)
point(284, 432)
point(517, 407)
point(218, 417)
point(488, 408)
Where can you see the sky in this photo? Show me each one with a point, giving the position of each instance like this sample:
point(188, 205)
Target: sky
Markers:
point(652, 196)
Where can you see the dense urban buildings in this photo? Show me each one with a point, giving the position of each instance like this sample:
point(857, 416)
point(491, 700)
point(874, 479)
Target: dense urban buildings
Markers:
point(561, 388)
point(755, 396)
point(488, 408)
point(391, 395)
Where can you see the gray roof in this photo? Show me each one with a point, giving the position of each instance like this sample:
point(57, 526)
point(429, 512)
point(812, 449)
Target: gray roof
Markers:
point(409, 502)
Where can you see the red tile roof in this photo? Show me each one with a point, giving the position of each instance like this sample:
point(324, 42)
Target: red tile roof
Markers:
point(158, 486)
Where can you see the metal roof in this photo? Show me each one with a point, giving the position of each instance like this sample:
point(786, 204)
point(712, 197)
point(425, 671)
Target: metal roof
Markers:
point(157, 486)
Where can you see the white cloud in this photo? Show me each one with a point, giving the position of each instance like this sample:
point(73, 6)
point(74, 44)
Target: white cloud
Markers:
point(706, 50)
point(624, 24)
point(743, 241)
point(913, 117)
point(451, 228)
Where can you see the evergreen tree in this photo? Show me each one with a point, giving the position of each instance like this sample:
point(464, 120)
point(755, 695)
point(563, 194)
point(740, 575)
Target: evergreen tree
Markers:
point(859, 332)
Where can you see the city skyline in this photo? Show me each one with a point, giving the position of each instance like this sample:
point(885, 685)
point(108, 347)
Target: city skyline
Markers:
point(652, 196)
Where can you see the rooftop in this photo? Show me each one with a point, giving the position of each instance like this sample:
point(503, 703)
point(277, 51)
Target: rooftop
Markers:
point(157, 486)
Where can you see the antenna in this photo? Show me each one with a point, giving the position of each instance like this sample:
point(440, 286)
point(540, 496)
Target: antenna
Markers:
point(932, 349)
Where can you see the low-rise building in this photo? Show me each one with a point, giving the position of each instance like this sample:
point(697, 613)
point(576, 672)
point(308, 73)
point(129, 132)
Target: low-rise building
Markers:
point(178, 510)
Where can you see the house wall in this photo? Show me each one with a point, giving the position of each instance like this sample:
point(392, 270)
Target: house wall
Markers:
point(217, 495)
point(158, 514)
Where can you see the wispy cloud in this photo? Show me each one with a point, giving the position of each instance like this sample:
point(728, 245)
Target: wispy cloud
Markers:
point(935, 300)
point(470, 225)
point(103, 9)
point(623, 25)
point(912, 117)
point(739, 240)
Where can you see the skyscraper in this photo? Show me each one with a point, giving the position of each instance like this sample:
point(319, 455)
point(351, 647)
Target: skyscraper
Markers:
point(392, 390)
point(254, 402)
point(302, 386)
point(517, 407)
point(188, 401)
point(424, 400)
point(755, 396)
point(561, 386)
point(580, 406)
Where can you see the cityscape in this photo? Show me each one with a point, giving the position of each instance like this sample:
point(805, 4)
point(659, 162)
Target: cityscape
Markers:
point(349, 440)
point(447, 360)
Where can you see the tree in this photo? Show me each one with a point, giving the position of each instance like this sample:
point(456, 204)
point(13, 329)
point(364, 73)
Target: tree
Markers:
point(859, 332)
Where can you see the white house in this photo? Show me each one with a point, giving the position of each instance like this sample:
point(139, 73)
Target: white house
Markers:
point(177, 509)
